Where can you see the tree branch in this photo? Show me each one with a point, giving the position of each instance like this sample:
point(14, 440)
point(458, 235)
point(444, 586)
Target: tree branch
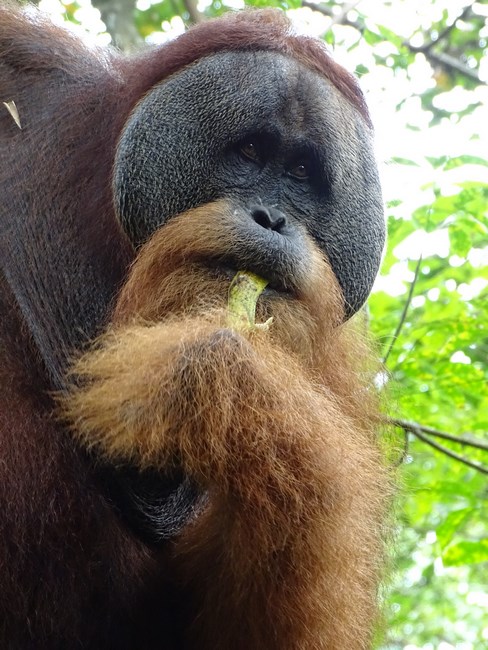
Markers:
point(435, 58)
point(441, 58)
point(191, 8)
point(404, 312)
point(341, 17)
point(447, 30)
point(446, 61)
point(464, 14)
point(423, 432)
point(337, 19)
point(118, 16)
point(413, 427)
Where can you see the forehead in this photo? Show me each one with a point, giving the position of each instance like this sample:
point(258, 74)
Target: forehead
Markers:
point(258, 90)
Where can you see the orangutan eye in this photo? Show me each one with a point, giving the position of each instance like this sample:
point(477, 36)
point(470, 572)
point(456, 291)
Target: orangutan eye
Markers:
point(249, 149)
point(300, 171)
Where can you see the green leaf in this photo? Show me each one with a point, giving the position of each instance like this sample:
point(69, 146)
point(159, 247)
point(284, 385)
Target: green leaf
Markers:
point(460, 240)
point(361, 70)
point(458, 161)
point(451, 525)
point(372, 38)
point(404, 161)
point(390, 36)
point(466, 553)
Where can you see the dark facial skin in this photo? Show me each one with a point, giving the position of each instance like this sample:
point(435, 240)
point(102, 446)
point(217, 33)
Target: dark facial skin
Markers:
point(277, 139)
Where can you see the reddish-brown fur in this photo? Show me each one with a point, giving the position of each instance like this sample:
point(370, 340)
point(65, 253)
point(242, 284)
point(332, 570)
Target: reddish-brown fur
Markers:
point(276, 425)
point(71, 574)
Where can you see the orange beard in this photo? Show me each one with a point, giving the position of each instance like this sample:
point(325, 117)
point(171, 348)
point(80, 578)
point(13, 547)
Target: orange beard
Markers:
point(278, 426)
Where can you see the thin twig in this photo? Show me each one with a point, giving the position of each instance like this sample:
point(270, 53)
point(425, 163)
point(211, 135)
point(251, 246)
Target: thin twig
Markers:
point(446, 61)
point(404, 454)
point(417, 431)
point(413, 427)
point(337, 19)
point(444, 450)
point(404, 312)
point(118, 16)
point(447, 30)
point(325, 11)
point(191, 7)
point(434, 58)
point(442, 58)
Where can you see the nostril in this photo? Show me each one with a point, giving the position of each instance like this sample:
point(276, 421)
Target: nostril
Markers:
point(269, 218)
point(261, 216)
